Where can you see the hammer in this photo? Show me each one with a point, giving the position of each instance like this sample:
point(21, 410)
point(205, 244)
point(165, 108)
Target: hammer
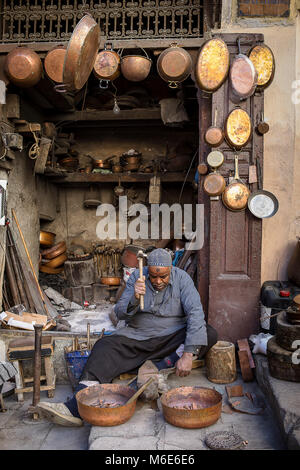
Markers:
point(140, 256)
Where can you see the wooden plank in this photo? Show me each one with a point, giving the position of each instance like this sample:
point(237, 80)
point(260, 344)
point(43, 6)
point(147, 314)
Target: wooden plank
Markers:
point(246, 370)
point(12, 106)
point(244, 346)
point(28, 127)
point(30, 389)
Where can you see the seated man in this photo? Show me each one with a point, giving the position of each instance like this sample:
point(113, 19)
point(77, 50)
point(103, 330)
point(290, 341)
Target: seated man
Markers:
point(172, 316)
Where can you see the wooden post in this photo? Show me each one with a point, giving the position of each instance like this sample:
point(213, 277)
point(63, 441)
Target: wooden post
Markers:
point(221, 363)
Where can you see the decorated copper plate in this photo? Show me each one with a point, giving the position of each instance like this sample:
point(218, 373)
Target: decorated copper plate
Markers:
point(263, 60)
point(238, 128)
point(212, 65)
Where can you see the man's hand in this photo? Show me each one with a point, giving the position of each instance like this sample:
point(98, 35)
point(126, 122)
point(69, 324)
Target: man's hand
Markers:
point(184, 364)
point(139, 288)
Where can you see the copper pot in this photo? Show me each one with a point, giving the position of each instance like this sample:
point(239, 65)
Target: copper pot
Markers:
point(117, 168)
point(136, 68)
point(192, 407)
point(88, 398)
point(107, 65)
point(54, 63)
point(23, 67)
point(106, 165)
point(174, 65)
point(46, 238)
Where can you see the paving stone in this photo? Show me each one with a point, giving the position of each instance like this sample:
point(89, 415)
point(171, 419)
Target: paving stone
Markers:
point(24, 437)
point(60, 438)
point(125, 443)
point(142, 423)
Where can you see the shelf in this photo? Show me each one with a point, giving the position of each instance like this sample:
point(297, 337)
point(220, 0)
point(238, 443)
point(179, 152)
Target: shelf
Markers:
point(95, 115)
point(77, 179)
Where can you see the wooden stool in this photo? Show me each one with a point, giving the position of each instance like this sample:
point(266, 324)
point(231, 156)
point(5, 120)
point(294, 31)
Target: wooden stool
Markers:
point(22, 349)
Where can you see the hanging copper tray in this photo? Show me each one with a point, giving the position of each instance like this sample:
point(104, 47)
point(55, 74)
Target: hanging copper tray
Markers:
point(212, 65)
point(238, 128)
point(54, 63)
point(81, 53)
point(263, 60)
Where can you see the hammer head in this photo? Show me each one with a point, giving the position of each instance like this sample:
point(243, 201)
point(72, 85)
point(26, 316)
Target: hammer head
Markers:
point(141, 254)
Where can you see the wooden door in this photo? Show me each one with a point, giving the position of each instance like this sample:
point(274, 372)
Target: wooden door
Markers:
point(229, 268)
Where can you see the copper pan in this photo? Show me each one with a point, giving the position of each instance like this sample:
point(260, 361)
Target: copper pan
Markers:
point(54, 63)
point(238, 128)
point(108, 404)
point(192, 407)
point(236, 194)
point(212, 65)
point(23, 67)
point(243, 75)
point(263, 60)
point(81, 53)
point(214, 135)
point(174, 65)
point(214, 184)
point(107, 65)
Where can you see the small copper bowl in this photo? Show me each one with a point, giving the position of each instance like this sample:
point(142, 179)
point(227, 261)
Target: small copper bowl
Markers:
point(110, 281)
point(46, 238)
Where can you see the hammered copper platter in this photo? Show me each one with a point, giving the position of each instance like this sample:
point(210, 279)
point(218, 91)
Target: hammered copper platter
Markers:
point(212, 65)
point(263, 60)
point(238, 128)
point(54, 63)
point(81, 53)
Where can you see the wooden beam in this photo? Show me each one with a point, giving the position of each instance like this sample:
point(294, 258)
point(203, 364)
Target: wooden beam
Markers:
point(121, 43)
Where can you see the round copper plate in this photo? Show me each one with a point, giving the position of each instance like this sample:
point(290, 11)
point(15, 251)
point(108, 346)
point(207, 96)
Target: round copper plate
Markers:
point(238, 128)
point(212, 65)
point(81, 53)
point(54, 63)
point(263, 60)
point(54, 251)
point(46, 238)
point(192, 407)
point(23, 67)
point(58, 261)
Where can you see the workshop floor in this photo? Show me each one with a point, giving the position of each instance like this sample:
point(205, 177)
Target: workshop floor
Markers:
point(19, 432)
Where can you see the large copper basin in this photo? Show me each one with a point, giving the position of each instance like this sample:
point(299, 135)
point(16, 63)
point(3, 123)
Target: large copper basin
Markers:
point(192, 407)
point(89, 398)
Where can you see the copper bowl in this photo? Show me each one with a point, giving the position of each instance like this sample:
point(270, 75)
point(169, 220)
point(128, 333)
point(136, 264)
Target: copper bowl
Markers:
point(54, 251)
point(88, 398)
point(46, 238)
point(23, 67)
point(110, 281)
point(58, 261)
point(45, 269)
point(192, 407)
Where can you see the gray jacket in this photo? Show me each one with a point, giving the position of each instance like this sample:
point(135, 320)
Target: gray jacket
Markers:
point(175, 307)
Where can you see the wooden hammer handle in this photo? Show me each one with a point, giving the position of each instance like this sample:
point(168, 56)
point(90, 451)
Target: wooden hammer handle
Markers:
point(141, 265)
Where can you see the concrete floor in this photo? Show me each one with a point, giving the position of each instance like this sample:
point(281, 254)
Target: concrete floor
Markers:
point(146, 430)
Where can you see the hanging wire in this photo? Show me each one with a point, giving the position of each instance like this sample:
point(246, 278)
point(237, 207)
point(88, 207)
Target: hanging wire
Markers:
point(187, 174)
